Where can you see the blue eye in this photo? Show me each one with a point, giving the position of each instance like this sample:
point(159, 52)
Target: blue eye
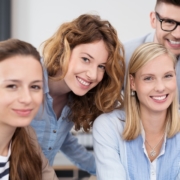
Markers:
point(148, 78)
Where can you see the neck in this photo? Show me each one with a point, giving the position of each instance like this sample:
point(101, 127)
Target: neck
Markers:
point(6, 134)
point(153, 123)
point(58, 88)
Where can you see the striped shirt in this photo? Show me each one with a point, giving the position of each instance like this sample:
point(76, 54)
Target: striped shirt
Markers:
point(4, 166)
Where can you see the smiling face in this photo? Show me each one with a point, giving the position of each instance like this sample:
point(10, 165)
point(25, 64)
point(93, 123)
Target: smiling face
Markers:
point(21, 90)
point(171, 40)
point(86, 67)
point(155, 84)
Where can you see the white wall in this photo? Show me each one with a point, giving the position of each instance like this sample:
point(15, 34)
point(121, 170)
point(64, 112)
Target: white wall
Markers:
point(36, 20)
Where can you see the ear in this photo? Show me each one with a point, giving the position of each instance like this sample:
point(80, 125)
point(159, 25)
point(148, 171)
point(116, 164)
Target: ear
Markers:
point(153, 20)
point(132, 82)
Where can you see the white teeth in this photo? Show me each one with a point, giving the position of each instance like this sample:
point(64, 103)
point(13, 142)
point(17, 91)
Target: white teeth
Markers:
point(83, 82)
point(159, 98)
point(174, 42)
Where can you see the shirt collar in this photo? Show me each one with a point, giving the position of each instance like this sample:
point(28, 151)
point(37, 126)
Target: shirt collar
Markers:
point(46, 88)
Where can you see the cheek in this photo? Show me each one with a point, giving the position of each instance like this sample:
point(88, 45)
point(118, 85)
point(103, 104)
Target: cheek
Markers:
point(100, 76)
point(38, 99)
point(173, 86)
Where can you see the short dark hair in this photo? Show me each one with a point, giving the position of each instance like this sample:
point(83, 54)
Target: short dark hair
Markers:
point(173, 2)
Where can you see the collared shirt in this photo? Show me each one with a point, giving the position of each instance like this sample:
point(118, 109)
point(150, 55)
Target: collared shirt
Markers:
point(54, 134)
point(117, 159)
point(131, 45)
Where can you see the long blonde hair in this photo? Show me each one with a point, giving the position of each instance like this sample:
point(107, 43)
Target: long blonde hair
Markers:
point(57, 50)
point(142, 55)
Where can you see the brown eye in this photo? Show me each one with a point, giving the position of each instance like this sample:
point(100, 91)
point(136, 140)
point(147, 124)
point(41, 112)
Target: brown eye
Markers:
point(12, 86)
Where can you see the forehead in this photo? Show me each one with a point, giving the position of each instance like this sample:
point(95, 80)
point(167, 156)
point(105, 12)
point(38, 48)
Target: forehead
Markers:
point(169, 11)
point(159, 65)
point(22, 67)
point(96, 49)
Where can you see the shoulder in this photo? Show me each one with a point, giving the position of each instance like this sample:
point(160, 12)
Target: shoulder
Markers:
point(113, 120)
point(134, 43)
point(131, 45)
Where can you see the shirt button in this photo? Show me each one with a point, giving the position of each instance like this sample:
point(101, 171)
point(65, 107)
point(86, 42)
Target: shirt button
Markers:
point(54, 131)
point(50, 148)
point(63, 118)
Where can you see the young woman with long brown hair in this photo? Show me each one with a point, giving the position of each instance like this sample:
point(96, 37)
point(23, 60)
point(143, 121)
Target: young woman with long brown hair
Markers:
point(21, 92)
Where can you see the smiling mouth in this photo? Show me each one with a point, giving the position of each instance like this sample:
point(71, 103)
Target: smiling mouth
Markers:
point(22, 112)
point(85, 83)
point(174, 42)
point(159, 98)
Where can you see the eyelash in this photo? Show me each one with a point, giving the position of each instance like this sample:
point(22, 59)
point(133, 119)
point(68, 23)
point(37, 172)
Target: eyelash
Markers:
point(150, 78)
point(169, 76)
point(147, 78)
point(11, 86)
point(85, 59)
point(36, 87)
point(102, 67)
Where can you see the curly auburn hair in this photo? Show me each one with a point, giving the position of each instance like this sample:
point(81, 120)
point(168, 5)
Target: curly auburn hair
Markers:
point(57, 50)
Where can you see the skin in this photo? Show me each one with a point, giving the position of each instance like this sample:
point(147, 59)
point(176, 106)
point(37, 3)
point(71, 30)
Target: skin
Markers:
point(86, 69)
point(21, 91)
point(155, 88)
point(171, 40)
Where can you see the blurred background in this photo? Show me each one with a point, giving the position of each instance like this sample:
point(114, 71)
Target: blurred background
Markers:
point(36, 20)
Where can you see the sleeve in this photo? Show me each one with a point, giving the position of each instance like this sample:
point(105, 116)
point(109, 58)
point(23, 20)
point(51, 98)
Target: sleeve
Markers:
point(48, 172)
point(78, 154)
point(106, 137)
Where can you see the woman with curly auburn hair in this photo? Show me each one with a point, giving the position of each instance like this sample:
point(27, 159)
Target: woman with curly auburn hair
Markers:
point(142, 142)
point(21, 92)
point(84, 69)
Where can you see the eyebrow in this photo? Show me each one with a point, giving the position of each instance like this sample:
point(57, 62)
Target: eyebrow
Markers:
point(153, 74)
point(166, 18)
point(88, 55)
point(17, 81)
point(91, 56)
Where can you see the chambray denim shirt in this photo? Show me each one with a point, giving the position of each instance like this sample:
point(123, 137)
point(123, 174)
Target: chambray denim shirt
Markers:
point(54, 135)
point(117, 159)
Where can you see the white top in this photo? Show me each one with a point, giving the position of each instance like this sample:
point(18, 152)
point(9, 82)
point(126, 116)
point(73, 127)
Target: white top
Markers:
point(4, 166)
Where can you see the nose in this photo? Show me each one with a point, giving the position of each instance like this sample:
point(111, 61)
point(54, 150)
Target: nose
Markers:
point(159, 86)
point(92, 73)
point(25, 96)
point(176, 32)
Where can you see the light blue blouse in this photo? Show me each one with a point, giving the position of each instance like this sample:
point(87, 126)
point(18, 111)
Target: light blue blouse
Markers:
point(117, 159)
point(54, 135)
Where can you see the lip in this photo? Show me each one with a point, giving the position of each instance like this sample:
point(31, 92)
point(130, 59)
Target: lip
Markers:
point(83, 83)
point(22, 112)
point(159, 98)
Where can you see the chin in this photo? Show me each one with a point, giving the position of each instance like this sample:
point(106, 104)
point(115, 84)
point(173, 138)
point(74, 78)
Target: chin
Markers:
point(79, 93)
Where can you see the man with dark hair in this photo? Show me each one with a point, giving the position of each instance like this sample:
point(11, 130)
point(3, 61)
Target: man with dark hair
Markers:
point(166, 22)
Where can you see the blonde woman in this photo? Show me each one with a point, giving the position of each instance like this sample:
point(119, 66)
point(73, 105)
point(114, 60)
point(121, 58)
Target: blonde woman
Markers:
point(142, 143)
point(83, 64)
